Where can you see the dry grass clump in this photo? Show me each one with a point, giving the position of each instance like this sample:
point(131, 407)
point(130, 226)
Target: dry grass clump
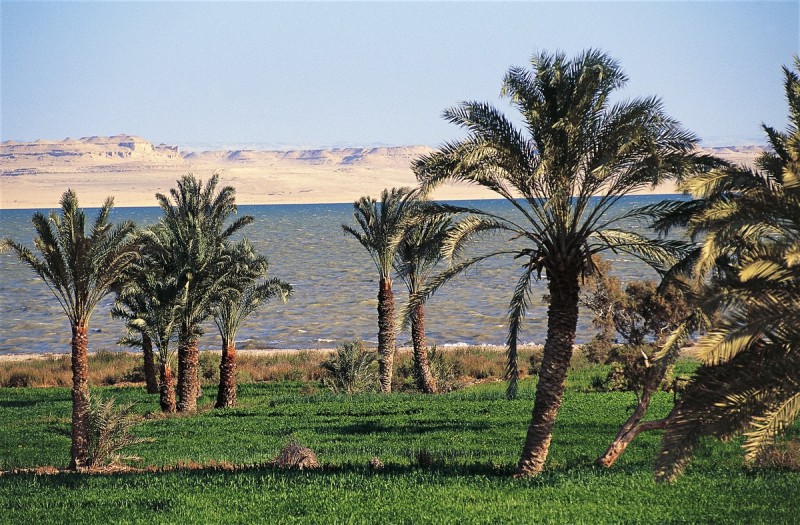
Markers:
point(784, 455)
point(292, 366)
point(105, 368)
point(293, 455)
point(459, 365)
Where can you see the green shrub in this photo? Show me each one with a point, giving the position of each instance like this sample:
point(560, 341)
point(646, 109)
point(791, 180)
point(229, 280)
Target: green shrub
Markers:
point(349, 370)
point(208, 363)
point(442, 369)
point(535, 361)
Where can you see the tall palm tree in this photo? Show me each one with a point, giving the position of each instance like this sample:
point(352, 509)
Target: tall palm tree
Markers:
point(750, 378)
point(190, 238)
point(575, 158)
point(248, 288)
point(381, 228)
point(80, 268)
point(417, 255)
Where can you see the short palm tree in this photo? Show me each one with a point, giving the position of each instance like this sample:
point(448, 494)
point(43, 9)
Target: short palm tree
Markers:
point(380, 229)
point(750, 378)
point(136, 338)
point(153, 305)
point(190, 239)
point(80, 268)
point(417, 255)
point(575, 158)
point(248, 288)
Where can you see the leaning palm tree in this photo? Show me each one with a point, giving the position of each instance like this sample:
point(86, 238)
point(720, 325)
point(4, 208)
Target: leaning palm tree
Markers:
point(248, 288)
point(80, 269)
point(190, 240)
point(381, 228)
point(750, 379)
point(417, 255)
point(576, 157)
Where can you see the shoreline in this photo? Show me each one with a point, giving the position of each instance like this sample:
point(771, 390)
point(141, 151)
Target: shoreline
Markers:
point(263, 352)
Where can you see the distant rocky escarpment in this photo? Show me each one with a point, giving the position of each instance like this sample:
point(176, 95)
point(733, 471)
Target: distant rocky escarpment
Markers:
point(130, 153)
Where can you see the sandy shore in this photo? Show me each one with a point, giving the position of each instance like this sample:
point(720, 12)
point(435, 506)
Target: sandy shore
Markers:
point(14, 358)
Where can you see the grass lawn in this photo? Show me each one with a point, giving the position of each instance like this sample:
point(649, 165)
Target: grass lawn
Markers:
point(472, 438)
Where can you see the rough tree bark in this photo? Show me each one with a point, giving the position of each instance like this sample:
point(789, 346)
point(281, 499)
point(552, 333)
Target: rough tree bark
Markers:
point(562, 321)
point(386, 336)
point(166, 389)
point(633, 425)
point(188, 382)
point(425, 380)
point(150, 374)
point(80, 397)
point(226, 393)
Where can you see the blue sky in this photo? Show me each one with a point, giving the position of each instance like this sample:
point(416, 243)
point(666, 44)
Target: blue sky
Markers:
point(363, 73)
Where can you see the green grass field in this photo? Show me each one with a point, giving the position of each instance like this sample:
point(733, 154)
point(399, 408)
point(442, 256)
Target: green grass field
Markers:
point(472, 436)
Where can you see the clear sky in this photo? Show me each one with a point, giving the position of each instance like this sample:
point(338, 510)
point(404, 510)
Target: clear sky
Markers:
point(363, 73)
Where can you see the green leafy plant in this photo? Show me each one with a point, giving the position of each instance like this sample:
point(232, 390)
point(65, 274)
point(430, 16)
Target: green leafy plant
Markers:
point(110, 432)
point(349, 370)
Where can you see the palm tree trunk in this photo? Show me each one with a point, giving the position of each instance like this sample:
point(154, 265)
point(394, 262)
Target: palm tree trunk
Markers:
point(562, 321)
point(226, 394)
point(425, 380)
point(385, 334)
point(166, 389)
point(80, 397)
point(150, 375)
point(633, 426)
point(188, 383)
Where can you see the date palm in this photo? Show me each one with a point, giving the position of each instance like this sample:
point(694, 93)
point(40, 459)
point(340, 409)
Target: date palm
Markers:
point(380, 229)
point(152, 304)
point(80, 268)
point(136, 338)
point(750, 379)
point(575, 158)
point(190, 239)
point(247, 289)
point(417, 255)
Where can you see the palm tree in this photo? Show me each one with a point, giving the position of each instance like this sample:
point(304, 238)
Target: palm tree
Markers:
point(749, 381)
point(80, 270)
point(152, 301)
point(381, 229)
point(136, 338)
point(248, 289)
point(158, 301)
point(190, 238)
point(417, 254)
point(576, 157)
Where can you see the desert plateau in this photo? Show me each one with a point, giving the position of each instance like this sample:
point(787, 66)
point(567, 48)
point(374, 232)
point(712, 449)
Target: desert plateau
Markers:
point(132, 169)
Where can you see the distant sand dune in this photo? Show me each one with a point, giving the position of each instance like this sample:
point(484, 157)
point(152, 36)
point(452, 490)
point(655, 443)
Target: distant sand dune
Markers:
point(35, 174)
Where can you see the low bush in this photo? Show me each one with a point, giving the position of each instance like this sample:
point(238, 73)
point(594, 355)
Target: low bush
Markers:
point(350, 369)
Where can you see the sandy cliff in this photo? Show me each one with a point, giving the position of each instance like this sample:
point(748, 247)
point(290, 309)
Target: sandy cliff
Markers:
point(35, 174)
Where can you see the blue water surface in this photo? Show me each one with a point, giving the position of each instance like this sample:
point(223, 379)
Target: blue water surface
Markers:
point(334, 280)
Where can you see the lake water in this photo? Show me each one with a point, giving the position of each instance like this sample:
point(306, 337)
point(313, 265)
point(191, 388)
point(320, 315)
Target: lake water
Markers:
point(334, 280)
